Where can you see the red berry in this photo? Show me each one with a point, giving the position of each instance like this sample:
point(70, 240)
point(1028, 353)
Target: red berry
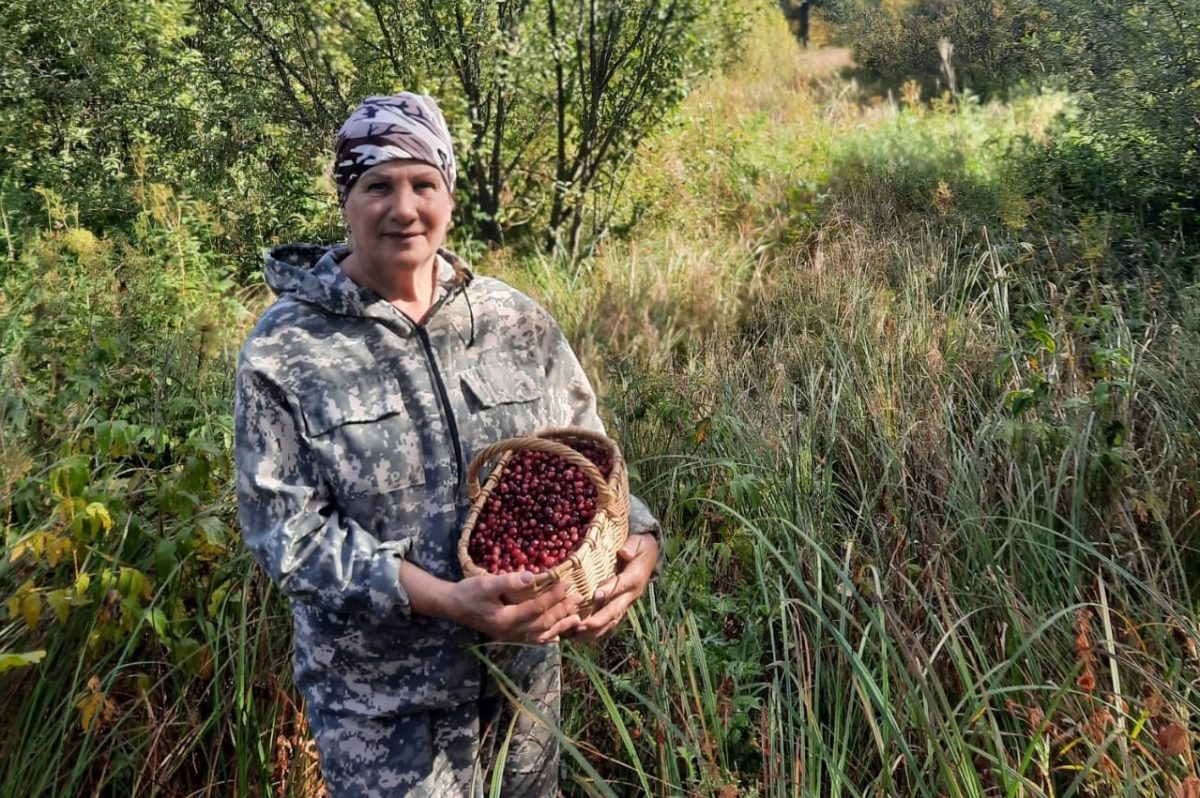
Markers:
point(538, 512)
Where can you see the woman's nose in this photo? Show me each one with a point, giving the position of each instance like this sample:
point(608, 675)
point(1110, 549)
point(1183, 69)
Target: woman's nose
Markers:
point(404, 204)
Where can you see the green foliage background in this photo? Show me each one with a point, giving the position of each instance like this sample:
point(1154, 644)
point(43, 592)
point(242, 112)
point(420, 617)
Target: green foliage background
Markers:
point(911, 379)
point(1133, 65)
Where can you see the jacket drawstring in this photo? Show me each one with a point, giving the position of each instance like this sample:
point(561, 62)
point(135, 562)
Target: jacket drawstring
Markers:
point(462, 278)
point(471, 312)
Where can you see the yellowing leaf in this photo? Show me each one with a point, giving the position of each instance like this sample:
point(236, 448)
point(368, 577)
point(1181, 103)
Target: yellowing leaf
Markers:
point(71, 506)
point(16, 602)
point(71, 477)
point(95, 708)
point(216, 597)
point(56, 547)
point(133, 584)
point(57, 599)
point(18, 551)
point(11, 661)
point(82, 583)
point(31, 609)
point(98, 514)
point(88, 706)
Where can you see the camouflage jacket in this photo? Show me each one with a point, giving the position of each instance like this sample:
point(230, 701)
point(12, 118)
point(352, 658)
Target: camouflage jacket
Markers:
point(353, 431)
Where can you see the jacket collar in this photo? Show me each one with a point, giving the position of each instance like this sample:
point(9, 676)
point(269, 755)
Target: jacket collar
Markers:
point(311, 273)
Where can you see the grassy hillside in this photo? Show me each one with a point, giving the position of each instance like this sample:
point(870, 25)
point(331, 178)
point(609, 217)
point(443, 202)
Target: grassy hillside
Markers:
point(922, 436)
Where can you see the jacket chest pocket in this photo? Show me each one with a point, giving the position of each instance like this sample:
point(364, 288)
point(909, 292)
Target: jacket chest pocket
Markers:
point(367, 443)
point(504, 400)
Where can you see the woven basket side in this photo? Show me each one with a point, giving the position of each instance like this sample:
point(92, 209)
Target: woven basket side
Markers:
point(597, 564)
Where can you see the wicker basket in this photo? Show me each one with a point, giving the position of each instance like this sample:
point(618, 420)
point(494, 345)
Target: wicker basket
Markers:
point(594, 560)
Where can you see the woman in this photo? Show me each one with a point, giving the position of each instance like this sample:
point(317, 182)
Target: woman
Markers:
point(362, 394)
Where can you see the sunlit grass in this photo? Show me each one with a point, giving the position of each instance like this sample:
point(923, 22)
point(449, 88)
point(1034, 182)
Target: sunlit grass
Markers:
point(928, 477)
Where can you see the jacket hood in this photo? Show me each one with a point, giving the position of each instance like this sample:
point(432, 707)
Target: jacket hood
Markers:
point(310, 273)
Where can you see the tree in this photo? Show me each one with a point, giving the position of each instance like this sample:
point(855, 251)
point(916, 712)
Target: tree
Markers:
point(576, 84)
point(1136, 68)
point(798, 13)
point(619, 67)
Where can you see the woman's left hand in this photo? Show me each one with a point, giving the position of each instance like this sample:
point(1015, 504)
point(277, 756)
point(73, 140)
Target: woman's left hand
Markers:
point(612, 599)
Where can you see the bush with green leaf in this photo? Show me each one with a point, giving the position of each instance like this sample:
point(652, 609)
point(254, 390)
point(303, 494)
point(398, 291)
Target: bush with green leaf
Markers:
point(1136, 149)
point(898, 40)
point(136, 649)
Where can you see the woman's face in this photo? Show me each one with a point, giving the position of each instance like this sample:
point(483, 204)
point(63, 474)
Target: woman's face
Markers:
point(398, 213)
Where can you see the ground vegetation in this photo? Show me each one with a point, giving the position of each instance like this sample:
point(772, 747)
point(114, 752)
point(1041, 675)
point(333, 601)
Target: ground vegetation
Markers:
point(916, 400)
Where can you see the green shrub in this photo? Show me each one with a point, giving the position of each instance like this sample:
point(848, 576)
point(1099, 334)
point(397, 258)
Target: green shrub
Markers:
point(1136, 146)
point(132, 627)
point(957, 161)
point(898, 41)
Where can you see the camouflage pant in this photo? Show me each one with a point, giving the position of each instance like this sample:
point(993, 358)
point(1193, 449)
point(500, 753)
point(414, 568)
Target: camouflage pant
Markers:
point(449, 753)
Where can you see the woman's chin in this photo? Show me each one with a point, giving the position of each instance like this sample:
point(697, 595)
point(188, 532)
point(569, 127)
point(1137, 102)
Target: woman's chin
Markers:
point(402, 259)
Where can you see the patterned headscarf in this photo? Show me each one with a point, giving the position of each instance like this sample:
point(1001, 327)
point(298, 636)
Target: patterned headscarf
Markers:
point(382, 129)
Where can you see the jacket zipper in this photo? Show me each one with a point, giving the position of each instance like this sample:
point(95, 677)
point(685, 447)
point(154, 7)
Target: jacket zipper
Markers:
point(444, 399)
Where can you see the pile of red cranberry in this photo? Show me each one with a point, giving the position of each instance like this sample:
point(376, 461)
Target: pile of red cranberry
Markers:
point(539, 512)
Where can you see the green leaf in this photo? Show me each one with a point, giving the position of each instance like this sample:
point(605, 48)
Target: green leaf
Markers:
point(159, 623)
point(70, 478)
point(1020, 400)
point(213, 530)
point(60, 603)
point(165, 557)
point(117, 438)
point(132, 583)
point(1045, 338)
point(12, 661)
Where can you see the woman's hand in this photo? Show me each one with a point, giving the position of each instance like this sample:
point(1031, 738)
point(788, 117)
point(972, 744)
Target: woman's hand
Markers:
point(504, 607)
point(612, 599)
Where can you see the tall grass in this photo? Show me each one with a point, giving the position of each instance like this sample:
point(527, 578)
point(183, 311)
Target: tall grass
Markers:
point(932, 501)
point(160, 657)
point(924, 451)
point(892, 583)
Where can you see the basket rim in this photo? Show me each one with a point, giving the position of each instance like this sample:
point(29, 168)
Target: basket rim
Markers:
point(532, 443)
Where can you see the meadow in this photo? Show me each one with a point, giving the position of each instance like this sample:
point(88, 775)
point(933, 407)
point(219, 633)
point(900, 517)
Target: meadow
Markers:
point(921, 429)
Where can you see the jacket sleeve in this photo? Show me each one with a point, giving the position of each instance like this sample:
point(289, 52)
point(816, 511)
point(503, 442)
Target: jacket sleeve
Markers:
point(568, 382)
point(289, 523)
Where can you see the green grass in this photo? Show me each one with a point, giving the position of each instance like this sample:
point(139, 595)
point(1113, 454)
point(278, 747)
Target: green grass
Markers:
point(933, 502)
point(925, 449)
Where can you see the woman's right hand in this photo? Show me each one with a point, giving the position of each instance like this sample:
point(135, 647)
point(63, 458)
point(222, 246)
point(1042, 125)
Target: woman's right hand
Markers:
point(505, 607)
